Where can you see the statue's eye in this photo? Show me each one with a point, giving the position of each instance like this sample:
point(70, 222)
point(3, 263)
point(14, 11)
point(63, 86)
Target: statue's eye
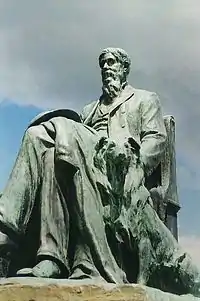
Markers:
point(107, 62)
point(110, 62)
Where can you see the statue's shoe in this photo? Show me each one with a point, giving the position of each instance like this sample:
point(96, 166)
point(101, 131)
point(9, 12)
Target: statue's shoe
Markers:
point(26, 272)
point(83, 272)
point(44, 269)
point(79, 275)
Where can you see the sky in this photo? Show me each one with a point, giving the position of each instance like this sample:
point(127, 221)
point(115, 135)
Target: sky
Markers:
point(49, 59)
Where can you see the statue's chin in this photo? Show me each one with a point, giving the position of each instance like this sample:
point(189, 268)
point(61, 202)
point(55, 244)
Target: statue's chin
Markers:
point(111, 92)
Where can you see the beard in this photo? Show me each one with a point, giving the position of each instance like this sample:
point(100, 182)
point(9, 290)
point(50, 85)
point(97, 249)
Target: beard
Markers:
point(112, 88)
point(112, 84)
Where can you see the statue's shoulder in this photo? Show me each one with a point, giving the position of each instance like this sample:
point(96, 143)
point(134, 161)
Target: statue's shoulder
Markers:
point(87, 109)
point(146, 97)
point(144, 94)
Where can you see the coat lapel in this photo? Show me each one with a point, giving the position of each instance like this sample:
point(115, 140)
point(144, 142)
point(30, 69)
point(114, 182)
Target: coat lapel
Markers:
point(89, 117)
point(125, 95)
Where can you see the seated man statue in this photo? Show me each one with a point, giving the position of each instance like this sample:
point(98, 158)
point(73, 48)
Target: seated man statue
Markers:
point(88, 175)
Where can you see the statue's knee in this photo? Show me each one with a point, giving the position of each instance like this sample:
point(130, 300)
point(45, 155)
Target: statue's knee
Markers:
point(33, 132)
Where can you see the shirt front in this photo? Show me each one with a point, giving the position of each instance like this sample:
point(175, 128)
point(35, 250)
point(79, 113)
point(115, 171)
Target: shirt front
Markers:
point(99, 121)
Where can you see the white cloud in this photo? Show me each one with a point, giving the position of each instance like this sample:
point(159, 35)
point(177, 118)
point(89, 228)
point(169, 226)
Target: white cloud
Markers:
point(191, 244)
point(49, 49)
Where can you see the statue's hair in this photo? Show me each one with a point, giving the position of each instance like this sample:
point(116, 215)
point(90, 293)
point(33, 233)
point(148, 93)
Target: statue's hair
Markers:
point(120, 54)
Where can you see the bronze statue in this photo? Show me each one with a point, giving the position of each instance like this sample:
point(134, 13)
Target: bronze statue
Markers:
point(86, 177)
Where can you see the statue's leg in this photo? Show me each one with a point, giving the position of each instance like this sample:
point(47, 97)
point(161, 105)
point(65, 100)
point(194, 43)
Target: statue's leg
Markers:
point(77, 151)
point(83, 264)
point(90, 212)
point(144, 247)
point(17, 200)
point(35, 168)
point(19, 195)
point(54, 234)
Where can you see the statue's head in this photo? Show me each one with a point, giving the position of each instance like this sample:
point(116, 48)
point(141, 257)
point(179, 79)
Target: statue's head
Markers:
point(115, 67)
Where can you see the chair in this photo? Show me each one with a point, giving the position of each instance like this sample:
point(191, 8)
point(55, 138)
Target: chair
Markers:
point(162, 183)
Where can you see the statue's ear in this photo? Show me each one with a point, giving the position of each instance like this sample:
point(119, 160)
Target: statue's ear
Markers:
point(126, 67)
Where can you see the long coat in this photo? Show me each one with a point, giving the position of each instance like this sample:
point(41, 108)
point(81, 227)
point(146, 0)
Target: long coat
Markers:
point(136, 114)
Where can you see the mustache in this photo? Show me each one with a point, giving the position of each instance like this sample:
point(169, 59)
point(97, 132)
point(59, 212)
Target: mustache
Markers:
point(109, 72)
point(107, 76)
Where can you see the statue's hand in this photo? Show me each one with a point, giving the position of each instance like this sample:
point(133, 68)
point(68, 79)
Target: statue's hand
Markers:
point(103, 149)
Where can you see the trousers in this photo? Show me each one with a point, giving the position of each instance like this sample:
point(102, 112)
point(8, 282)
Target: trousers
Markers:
point(34, 170)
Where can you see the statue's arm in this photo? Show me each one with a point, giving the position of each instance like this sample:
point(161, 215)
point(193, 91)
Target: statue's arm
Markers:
point(83, 115)
point(153, 134)
point(87, 110)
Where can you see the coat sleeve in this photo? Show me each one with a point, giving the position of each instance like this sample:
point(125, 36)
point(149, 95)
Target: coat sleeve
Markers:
point(153, 133)
point(87, 110)
point(84, 113)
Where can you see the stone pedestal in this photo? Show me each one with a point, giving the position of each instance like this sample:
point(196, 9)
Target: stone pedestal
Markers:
point(32, 289)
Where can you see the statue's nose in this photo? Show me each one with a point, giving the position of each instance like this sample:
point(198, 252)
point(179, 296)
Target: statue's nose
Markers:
point(105, 66)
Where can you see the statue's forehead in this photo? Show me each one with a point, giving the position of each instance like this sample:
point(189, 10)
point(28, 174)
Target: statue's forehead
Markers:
point(107, 56)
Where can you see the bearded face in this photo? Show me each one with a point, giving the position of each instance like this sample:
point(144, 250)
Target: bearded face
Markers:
point(112, 73)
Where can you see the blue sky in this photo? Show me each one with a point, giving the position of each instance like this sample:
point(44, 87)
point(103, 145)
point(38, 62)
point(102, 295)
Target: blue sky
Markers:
point(48, 59)
point(13, 121)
